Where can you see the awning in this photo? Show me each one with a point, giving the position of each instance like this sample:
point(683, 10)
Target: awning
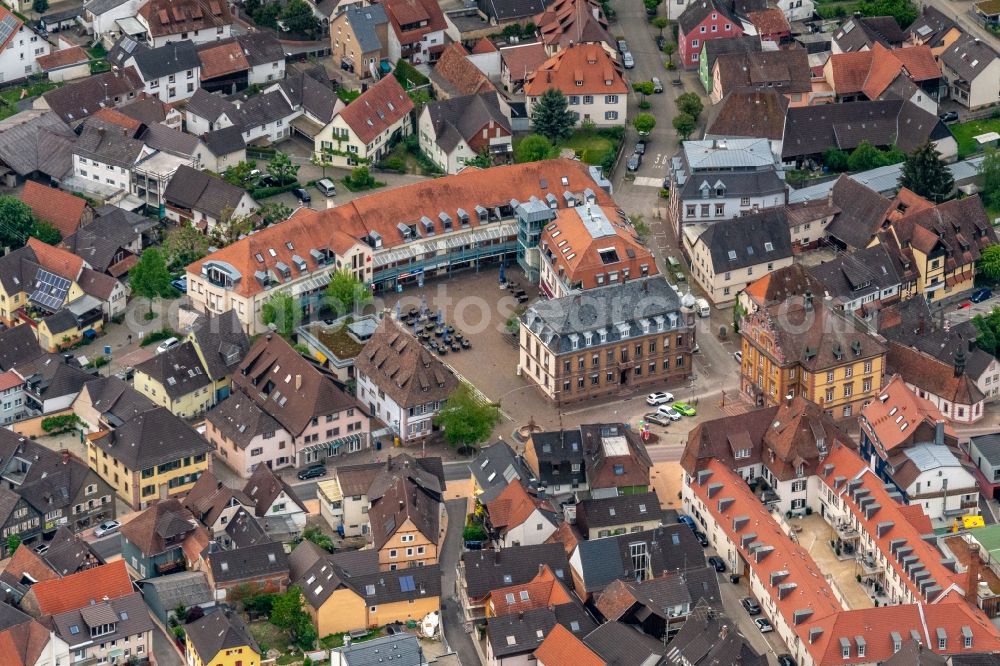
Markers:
point(306, 127)
point(333, 445)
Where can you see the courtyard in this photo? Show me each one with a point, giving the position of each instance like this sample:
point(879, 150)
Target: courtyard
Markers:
point(815, 536)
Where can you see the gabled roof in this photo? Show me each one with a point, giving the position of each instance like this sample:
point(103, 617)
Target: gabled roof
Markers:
point(931, 375)
point(568, 22)
point(378, 109)
point(696, 12)
point(486, 571)
point(39, 141)
point(849, 277)
point(456, 74)
point(522, 632)
point(401, 502)
point(150, 438)
point(542, 591)
point(197, 190)
point(239, 419)
point(786, 71)
point(364, 23)
point(931, 27)
point(514, 506)
point(620, 510)
point(221, 341)
point(502, 11)
point(522, 59)
point(710, 637)
point(110, 143)
point(859, 32)
point(209, 497)
point(264, 486)
point(713, 48)
point(578, 69)
point(619, 644)
point(263, 560)
point(770, 22)
point(218, 631)
point(314, 96)
point(77, 590)
point(67, 57)
point(758, 113)
point(177, 370)
point(75, 101)
point(221, 59)
point(740, 242)
point(225, 141)
point(969, 57)
point(496, 466)
point(162, 527)
point(24, 644)
point(173, 17)
point(60, 209)
point(99, 241)
point(960, 227)
point(412, 19)
point(168, 59)
point(562, 648)
point(862, 211)
point(210, 106)
point(602, 561)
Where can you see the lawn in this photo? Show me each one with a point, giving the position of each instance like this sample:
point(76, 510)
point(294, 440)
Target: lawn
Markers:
point(339, 342)
point(269, 636)
point(964, 133)
point(10, 97)
point(591, 146)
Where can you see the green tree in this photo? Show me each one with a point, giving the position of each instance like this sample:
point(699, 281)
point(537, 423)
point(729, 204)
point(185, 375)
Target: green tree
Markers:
point(231, 227)
point(532, 148)
point(989, 174)
point(267, 15)
point(644, 123)
point(16, 222)
point(281, 168)
point(551, 117)
point(660, 22)
point(298, 17)
point(251, 6)
point(484, 160)
point(467, 421)
point(988, 326)
point(346, 293)
point(288, 614)
point(40, 6)
point(282, 311)
point(684, 124)
point(738, 312)
point(361, 178)
point(903, 11)
point(149, 278)
point(989, 262)
point(13, 542)
point(321, 160)
point(925, 174)
point(184, 244)
point(690, 104)
point(669, 49)
point(273, 211)
point(46, 233)
point(835, 160)
point(240, 174)
point(864, 157)
point(317, 536)
point(643, 88)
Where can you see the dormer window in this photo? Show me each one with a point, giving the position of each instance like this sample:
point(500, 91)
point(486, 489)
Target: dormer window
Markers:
point(579, 83)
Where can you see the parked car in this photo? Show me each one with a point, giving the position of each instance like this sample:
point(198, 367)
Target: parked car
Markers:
point(180, 284)
point(949, 116)
point(326, 186)
point(669, 412)
point(661, 41)
point(702, 539)
point(764, 625)
point(656, 419)
point(786, 660)
point(718, 563)
point(314, 472)
point(981, 295)
point(640, 147)
point(106, 528)
point(634, 162)
point(42, 548)
point(657, 86)
point(751, 605)
point(659, 398)
point(684, 408)
point(687, 520)
point(622, 46)
point(301, 194)
point(628, 60)
point(739, 357)
point(167, 345)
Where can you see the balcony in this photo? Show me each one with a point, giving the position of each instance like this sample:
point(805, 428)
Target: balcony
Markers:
point(172, 566)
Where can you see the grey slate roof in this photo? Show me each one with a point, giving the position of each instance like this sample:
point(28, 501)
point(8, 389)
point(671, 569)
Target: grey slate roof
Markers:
point(261, 47)
point(225, 141)
point(171, 58)
point(858, 32)
point(189, 588)
point(603, 308)
point(364, 21)
point(152, 437)
point(40, 141)
point(521, 633)
point(400, 650)
point(170, 140)
point(218, 631)
point(116, 401)
point(258, 561)
point(670, 548)
point(108, 143)
point(613, 511)
point(696, 12)
point(621, 645)
point(968, 57)
point(931, 26)
point(314, 96)
point(748, 241)
point(125, 48)
point(98, 7)
point(178, 370)
point(557, 451)
point(988, 447)
point(129, 613)
point(862, 211)
point(61, 321)
point(713, 48)
point(244, 530)
point(509, 10)
point(99, 241)
point(197, 190)
point(264, 108)
point(464, 117)
point(851, 276)
point(488, 570)
point(495, 467)
point(210, 106)
point(708, 638)
point(222, 341)
point(75, 101)
point(49, 376)
point(239, 419)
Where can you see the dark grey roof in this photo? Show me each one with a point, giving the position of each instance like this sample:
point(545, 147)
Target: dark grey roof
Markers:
point(50, 376)
point(557, 451)
point(115, 400)
point(264, 108)
point(210, 106)
point(495, 467)
point(521, 633)
point(859, 32)
point(612, 511)
point(98, 7)
point(69, 553)
point(222, 341)
point(178, 370)
point(260, 47)
point(714, 48)
point(314, 96)
point(160, 137)
point(198, 190)
point(108, 143)
point(510, 10)
point(980, 659)
point(97, 242)
point(152, 437)
point(225, 141)
point(239, 419)
point(399, 650)
point(863, 272)
point(862, 211)
point(710, 638)
point(748, 241)
point(931, 27)
point(124, 49)
point(60, 322)
point(218, 631)
point(244, 530)
point(128, 613)
point(488, 570)
point(189, 588)
point(606, 308)
point(364, 22)
point(266, 559)
point(669, 547)
point(465, 117)
point(622, 645)
point(40, 141)
point(75, 101)
point(696, 12)
point(988, 446)
point(969, 57)
point(11, 617)
point(146, 110)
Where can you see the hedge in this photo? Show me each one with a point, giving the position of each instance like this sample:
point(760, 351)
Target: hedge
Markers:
point(265, 192)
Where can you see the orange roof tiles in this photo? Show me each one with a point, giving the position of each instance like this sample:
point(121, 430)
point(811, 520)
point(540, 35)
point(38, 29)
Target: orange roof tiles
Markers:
point(73, 55)
point(512, 507)
point(377, 109)
point(221, 60)
point(850, 70)
point(23, 644)
point(406, 17)
point(60, 209)
point(56, 260)
point(9, 380)
point(544, 590)
point(770, 22)
point(562, 648)
point(116, 117)
point(79, 589)
point(484, 46)
point(915, 62)
point(455, 69)
point(25, 561)
point(580, 69)
point(919, 62)
point(897, 413)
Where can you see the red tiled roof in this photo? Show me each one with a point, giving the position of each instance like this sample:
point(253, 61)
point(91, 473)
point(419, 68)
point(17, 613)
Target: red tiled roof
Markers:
point(770, 22)
point(929, 374)
point(897, 413)
point(23, 644)
point(463, 77)
point(60, 209)
point(377, 109)
point(56, 260)
point(118, 118)
point(850, 70)
point(512, 507)
point(73, 55)
point(887, 64)
point(221, 60)
point(484, 46)
point(562, 648)
point(408, 12)
point(543, 591)
point(79, 589)
point(586, 64)
point(172, 17)
point(523, 59)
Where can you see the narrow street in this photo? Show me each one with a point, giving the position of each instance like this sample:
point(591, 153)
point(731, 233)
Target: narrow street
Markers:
point(451, 606)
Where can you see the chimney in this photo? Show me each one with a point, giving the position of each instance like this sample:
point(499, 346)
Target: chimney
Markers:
point(402, 503)
point(298, 382)
point(972, 583)
point(959, 362)
point(920, 325)
point(939, 432)
point(65, 456)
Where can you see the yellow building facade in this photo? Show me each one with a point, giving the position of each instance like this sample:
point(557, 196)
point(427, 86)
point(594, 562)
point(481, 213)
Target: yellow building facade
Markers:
point(408, 547)
point(187, 405)
point(235, 656)
point(345, 610)
point(816, 352)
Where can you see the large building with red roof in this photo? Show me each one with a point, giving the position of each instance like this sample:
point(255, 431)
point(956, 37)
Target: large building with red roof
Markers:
point(590, 79)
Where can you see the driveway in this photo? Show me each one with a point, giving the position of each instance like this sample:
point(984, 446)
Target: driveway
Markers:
point(451, 607)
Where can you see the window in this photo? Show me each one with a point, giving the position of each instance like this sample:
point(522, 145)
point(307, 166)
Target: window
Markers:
point(798, 504)
point(829, 376)
point(611, 115)
point(799, 486)
point(847, 411)
point(611, 99)
point(695, 43)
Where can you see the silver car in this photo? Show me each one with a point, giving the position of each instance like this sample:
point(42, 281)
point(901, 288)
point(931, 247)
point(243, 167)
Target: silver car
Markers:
point(628, 60)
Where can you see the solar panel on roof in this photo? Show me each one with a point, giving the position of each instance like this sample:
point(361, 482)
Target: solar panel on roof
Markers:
point(8, 26)
point(406, 584)
point(50, 290)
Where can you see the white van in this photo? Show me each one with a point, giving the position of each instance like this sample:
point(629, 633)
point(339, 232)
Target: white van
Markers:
point(701, 305)
point(327, 187)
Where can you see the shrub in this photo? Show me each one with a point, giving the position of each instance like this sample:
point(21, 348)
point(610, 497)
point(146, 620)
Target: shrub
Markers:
point(156, 336)
point(53, 425)
point(265, 192)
